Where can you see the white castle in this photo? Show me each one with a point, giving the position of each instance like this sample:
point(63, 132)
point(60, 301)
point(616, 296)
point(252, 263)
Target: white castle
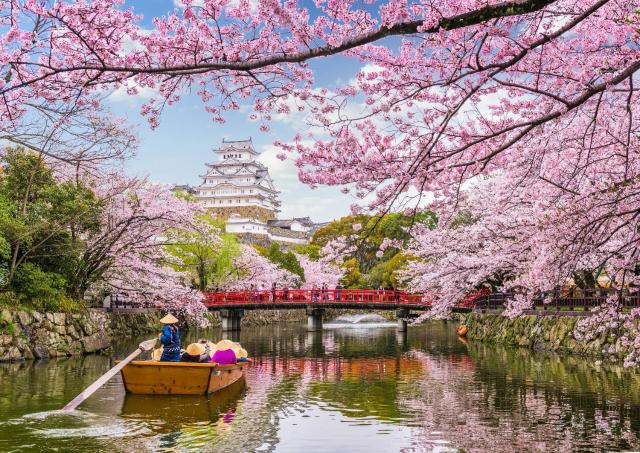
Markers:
point(238, 188)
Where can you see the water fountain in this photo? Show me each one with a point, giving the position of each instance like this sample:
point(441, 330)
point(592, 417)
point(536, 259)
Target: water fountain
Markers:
point(363, 320)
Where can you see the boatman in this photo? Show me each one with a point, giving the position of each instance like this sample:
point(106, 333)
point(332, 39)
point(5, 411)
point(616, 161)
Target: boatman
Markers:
point(170, 339)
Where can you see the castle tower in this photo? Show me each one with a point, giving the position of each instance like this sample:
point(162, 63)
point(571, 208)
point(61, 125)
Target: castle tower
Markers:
point(238, 187)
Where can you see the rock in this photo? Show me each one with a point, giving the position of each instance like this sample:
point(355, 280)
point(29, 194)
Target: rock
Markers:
point(25, 318)
point(5, 339)
point(87, 327)
point(27, 354)
point(37, 316)
point(62, 330)
point(73, 333)
point(11, 354)
point(49, 317)
point(95, 342)
point(75, 348)
point(40, 352)
point(59, 319)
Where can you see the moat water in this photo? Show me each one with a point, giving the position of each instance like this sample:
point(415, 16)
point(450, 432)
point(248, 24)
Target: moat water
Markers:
point(361, 388)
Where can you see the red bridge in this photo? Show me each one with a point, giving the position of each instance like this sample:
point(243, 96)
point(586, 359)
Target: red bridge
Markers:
point(231, 304)
point(332, 298)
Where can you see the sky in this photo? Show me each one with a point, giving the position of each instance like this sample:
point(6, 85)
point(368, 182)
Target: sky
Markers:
point(176, 151)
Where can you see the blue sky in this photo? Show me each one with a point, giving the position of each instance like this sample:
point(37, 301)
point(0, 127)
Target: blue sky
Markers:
point(177, 150)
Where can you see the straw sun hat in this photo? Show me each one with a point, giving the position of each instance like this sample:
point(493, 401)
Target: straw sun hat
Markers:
point(169, 319)
point(226, 344)
point(195, 349)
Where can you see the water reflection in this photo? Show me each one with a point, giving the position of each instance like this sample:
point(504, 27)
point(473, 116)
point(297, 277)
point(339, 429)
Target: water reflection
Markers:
point(340, 389)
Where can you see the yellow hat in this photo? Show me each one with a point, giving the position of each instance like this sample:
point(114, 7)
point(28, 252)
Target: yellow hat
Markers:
point(242, 353)
point(156, 354)
point(169, 319)
point(226, 344)
point(195, 349)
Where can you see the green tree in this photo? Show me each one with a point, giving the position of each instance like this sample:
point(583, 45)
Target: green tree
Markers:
point(373, 270)
point(43, 226)
point(285, 260)
point(206, 254)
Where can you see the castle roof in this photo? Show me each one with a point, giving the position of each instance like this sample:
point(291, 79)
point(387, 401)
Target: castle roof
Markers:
point(239, 145)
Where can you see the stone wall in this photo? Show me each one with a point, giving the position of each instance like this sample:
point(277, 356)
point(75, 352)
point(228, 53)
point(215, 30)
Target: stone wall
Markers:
point(541, 333)
point(28, 335)
point(248, 212)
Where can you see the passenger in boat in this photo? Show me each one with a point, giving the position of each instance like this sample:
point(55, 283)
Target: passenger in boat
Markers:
point(242, 355)
point(170, 339)
point(225, 354)
point(196, 352)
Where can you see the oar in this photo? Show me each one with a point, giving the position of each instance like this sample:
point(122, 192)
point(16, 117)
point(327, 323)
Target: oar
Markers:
point(144, 346)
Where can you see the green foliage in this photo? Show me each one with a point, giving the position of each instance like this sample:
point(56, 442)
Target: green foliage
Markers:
point(285, 260)
point(385, 273)
point(353, 278)
point(206, 258)
point(9, 299)
point(373, 271)
point(44, 224)
point(311, 250)
point(39, 287)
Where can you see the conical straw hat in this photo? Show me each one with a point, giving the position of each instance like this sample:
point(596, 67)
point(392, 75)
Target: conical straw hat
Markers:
point(226, 344)
point(169, 319)
point(242, 353)
point(195, 349)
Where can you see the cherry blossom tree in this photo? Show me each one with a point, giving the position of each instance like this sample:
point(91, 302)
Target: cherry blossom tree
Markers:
point(540, 92)
point(251, 268)
point(128, 255)
point(317, 273)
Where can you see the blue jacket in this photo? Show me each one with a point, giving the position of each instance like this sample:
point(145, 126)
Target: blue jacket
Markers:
point(170, 340)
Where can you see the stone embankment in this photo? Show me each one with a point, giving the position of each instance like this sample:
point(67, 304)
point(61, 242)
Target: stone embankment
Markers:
point(542, 333)
point(28, 335)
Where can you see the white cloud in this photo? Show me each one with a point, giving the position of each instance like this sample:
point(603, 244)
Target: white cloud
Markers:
point(143, 94)
point(298, 200)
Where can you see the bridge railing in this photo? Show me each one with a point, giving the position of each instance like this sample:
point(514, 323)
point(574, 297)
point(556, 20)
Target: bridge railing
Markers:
point(573, 299)
point(310, 296)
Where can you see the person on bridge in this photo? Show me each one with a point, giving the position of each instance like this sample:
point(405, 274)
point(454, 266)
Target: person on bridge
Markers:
point(170, 339)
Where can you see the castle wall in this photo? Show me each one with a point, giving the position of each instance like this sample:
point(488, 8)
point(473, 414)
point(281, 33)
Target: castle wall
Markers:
point(247, 212)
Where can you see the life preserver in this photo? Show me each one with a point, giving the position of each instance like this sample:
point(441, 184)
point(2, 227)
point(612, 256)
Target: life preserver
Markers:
point(462, 330)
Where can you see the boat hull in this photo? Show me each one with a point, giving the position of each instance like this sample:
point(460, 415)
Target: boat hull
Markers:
point(179, 378)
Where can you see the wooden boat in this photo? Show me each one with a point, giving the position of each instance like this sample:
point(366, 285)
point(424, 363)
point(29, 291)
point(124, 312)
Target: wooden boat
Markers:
point(179, 378)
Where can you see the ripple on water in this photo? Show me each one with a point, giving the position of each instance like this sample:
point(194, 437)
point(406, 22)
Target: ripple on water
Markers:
point(62, 424)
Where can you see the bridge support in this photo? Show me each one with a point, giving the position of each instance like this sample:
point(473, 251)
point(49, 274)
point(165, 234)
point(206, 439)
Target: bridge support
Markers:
point(231, 318)
point(402, 314)
point(314, 318)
